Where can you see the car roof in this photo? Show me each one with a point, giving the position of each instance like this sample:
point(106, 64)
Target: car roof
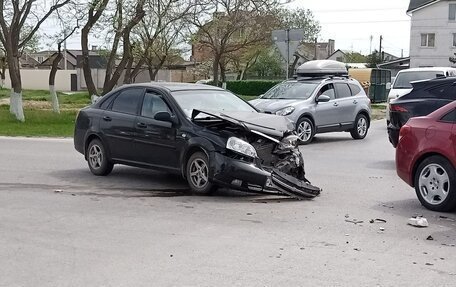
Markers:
point(173, 86)
point(430, 69)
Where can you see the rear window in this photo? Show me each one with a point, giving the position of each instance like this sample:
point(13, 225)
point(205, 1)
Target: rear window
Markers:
point(355, 89)
point(446, 91)
point(403, 79)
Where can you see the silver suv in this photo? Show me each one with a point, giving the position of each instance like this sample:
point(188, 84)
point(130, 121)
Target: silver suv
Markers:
point(317, 102)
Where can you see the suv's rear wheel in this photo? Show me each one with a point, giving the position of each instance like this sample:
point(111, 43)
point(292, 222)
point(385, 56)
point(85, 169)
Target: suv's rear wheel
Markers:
point(97, 159)
point(305, 130)
point(359, 131)
point(435, 184)
point(198, 174)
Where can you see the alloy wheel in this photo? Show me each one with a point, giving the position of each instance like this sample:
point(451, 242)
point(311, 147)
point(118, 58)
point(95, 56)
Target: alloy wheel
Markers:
point(304, 131)
point(362, 126)
point(95, 156)
point(199, 173)
point(434, 184)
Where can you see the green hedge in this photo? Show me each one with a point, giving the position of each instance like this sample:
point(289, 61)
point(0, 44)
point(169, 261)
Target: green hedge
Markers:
point(250, 88)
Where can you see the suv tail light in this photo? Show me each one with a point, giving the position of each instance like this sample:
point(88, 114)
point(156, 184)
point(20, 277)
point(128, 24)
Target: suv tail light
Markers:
point(397, 108)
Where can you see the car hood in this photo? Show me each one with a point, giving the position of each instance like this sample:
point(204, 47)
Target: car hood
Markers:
point(273, 105)
point(265, 123)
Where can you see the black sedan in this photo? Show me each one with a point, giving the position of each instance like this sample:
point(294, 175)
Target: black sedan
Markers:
point(426, 97)
point(208, 135)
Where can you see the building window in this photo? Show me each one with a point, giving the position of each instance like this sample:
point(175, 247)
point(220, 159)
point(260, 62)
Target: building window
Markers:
point(454, 40)
point(452, 12)
point(40, 59)
point(428, 40)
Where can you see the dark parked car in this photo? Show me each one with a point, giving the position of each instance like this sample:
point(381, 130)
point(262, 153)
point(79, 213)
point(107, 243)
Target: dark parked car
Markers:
point(425, 97)
point(426, 157)
point(208, 135)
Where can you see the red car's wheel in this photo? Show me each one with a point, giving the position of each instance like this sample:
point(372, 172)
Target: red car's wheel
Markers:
point(435, 184)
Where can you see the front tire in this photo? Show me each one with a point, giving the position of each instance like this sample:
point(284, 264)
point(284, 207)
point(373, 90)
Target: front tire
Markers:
point(197, 173)
point(435, 184)
point(97, 158)
point(305, 130)
point(359, 131)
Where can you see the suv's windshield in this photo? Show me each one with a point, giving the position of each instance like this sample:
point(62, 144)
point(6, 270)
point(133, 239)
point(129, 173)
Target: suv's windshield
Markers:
point(291, 90)
point(403, 79)
point(210, 100)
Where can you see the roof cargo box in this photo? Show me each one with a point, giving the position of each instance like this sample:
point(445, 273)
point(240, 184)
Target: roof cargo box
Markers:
point(321, 68)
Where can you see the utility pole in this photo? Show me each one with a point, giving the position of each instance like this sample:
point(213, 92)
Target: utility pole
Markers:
point(288, 52)
point(380, 50)
point(402, 53)
point(316, 47)
point(370, 47)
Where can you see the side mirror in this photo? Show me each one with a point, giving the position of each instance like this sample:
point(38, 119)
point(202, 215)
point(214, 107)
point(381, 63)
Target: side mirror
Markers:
point(260, 96)
point(164, 117)
point(323, 99)
point(388, 86)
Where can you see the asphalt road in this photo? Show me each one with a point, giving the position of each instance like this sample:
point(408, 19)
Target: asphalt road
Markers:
point(61, 226)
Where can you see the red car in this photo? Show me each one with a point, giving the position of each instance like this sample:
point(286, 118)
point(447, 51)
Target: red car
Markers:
point(426, 157)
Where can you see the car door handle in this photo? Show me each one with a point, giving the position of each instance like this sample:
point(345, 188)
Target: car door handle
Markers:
point(106, 118)
point(141, 125)
point(355, 102)
point(335, 104)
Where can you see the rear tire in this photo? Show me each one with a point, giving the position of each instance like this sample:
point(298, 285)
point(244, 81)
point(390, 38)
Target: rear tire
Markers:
point(197, 173)
point(361, 127)
point(305, 130)
point(435, 184)
point(97, 158)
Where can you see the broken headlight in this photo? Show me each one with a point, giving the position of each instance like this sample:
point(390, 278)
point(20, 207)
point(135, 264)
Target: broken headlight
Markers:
point(240, 146)
point(285, 111)
point(288, 142)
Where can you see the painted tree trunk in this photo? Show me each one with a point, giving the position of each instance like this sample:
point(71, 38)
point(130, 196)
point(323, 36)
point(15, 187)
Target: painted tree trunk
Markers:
point(16, 88)
point(55, 99)
point(52, 74)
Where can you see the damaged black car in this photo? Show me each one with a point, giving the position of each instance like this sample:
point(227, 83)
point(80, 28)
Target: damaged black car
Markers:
point(208, 135)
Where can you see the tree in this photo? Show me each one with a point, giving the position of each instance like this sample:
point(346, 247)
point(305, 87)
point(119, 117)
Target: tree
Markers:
point(19, 16)
point(304, 20)
point(268, 65)
point(2, 71)
point(235, 25)
point(373, 59)
point(355, 57)
point(96, 8)
point(68, 29)
point(157, 36)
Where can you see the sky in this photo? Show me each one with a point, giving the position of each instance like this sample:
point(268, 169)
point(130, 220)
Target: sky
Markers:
point(351, 23)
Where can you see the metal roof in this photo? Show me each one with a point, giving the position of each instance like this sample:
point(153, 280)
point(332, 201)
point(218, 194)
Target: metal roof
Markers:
point(416, 4)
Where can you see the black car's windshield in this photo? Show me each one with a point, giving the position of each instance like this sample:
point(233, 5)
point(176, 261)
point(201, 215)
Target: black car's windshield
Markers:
point(403, 79)
point(291, 90)
point(210, 100)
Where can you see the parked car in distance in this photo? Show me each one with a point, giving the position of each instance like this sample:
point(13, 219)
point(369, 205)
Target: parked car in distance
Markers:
point(401, 85)
point(208, 135)
point(321, 99)
point(426, 97)
point(426, 157)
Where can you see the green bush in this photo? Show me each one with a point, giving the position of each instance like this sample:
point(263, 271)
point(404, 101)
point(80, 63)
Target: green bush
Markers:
point(250, 88)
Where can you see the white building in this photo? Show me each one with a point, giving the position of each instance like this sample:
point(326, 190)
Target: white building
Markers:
point(432, 32)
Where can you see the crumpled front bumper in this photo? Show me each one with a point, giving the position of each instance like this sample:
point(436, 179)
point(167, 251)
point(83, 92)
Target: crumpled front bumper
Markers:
point(252, 177)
